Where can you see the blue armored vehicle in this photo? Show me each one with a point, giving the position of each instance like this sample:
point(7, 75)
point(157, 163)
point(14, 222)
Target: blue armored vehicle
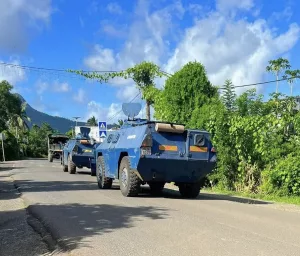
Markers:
point(155, 153)
point(79, 152)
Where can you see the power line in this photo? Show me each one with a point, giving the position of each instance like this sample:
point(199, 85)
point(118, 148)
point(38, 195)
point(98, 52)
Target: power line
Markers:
point(115, 71)
point(267, 82)
point(53, 69)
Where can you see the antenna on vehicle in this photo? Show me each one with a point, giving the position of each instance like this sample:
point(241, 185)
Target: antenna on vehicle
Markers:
point(131, 110)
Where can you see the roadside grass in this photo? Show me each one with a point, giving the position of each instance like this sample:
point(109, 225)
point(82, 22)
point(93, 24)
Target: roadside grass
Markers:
point(273, 198)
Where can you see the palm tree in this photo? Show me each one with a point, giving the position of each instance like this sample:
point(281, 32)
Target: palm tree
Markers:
point(291, 76)
point(276, 66)
point(92, 121)
point(17, 121)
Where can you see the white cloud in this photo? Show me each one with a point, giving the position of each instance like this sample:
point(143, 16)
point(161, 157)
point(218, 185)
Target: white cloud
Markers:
point(225, 6)
point(41, 87)
point(228, 46)
point(54, 86)
point(286, 14)
point(12, 74)
point(101, 59)
point(110, 114)
point(240, 53)
point(126, 93)
point(146, 41)
point(80, 96)
point(104, 113)
point(61, 87)
point(114, 8)
point(17, 17)
point(111, 30)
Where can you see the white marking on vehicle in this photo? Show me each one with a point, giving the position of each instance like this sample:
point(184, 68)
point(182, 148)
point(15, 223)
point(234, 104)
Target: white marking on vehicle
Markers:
point(129, 137)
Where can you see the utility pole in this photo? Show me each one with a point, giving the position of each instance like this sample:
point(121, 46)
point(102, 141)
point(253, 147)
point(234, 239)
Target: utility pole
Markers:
point(2, 137)
point(76, 118)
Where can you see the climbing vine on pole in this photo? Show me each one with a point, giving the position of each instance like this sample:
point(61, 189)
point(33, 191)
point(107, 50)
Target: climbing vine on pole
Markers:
point(143, 74)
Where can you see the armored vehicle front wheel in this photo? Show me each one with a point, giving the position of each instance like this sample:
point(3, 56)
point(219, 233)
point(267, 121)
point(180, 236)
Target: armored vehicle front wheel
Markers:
point(71, 165)
point(129, 181)
point(189, 190)
point(65, 167)
point(103, 182)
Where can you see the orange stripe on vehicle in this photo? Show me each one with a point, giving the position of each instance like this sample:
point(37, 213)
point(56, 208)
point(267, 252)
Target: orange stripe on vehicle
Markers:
point(167, 148)
point(198, 149)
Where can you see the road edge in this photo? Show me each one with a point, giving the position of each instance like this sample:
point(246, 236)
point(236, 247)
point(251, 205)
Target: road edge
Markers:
point(37, 224)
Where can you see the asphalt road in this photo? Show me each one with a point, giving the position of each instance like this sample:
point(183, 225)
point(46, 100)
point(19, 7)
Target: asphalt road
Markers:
point(89, 221)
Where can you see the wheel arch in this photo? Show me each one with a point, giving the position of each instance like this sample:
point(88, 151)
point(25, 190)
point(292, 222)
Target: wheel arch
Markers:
point(122, 154)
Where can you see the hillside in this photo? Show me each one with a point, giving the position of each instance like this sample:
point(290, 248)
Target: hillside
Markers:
point(59, 123)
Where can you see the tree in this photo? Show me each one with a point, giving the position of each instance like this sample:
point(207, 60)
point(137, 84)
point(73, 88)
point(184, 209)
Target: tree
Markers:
point(276, 66)
point(37, 146)
point(70, 133)
point(291, 76)
point(92, 121)
point(143, 74)
point(10, 104)
point(229, 95)
point(17, 121)
point(188, 89)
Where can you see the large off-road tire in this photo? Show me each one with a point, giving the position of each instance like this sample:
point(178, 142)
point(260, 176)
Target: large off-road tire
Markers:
point(156, 188)
point(71, 166)
point(50, 157)
point(103, 182)
point(190, 190)
point(130, 183)
point(64, 167)
point(93, 172)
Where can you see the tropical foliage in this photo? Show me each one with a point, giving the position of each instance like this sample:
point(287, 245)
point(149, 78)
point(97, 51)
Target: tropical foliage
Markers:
point(258, 141)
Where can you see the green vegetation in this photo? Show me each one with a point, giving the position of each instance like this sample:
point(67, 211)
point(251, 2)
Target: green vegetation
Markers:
point(258, 142)
point(20, 140)
point(92, 121)
point(143, 74)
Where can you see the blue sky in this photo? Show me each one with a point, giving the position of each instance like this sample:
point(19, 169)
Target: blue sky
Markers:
point(234, 39)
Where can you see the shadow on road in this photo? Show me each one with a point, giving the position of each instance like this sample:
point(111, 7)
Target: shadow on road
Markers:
point(10, 168)
point(73, 224)
point(42, 186)
point(172, 194)
point(7, 190)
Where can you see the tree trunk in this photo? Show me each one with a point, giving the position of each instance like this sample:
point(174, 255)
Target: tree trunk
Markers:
point(147, 110)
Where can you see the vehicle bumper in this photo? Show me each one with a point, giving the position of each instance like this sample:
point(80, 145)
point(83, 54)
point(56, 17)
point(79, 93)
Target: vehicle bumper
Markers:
point(173, 170)
point(83, 160)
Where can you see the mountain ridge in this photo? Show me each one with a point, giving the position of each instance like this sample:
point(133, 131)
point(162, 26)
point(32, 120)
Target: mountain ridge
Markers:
point(60, 124)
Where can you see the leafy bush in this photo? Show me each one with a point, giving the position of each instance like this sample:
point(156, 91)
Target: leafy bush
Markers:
point(284, 178)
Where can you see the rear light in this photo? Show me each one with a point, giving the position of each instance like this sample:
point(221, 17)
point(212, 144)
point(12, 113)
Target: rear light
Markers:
point(213, 150)
point(147, 142)
point(146, 145)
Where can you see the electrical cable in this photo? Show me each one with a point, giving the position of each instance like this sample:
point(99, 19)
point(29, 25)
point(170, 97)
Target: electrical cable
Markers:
point(266, 82)
point(114, 71)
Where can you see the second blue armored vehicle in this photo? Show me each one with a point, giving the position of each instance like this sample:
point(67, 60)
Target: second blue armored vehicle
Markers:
point(155, 153)
point(78, 153)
